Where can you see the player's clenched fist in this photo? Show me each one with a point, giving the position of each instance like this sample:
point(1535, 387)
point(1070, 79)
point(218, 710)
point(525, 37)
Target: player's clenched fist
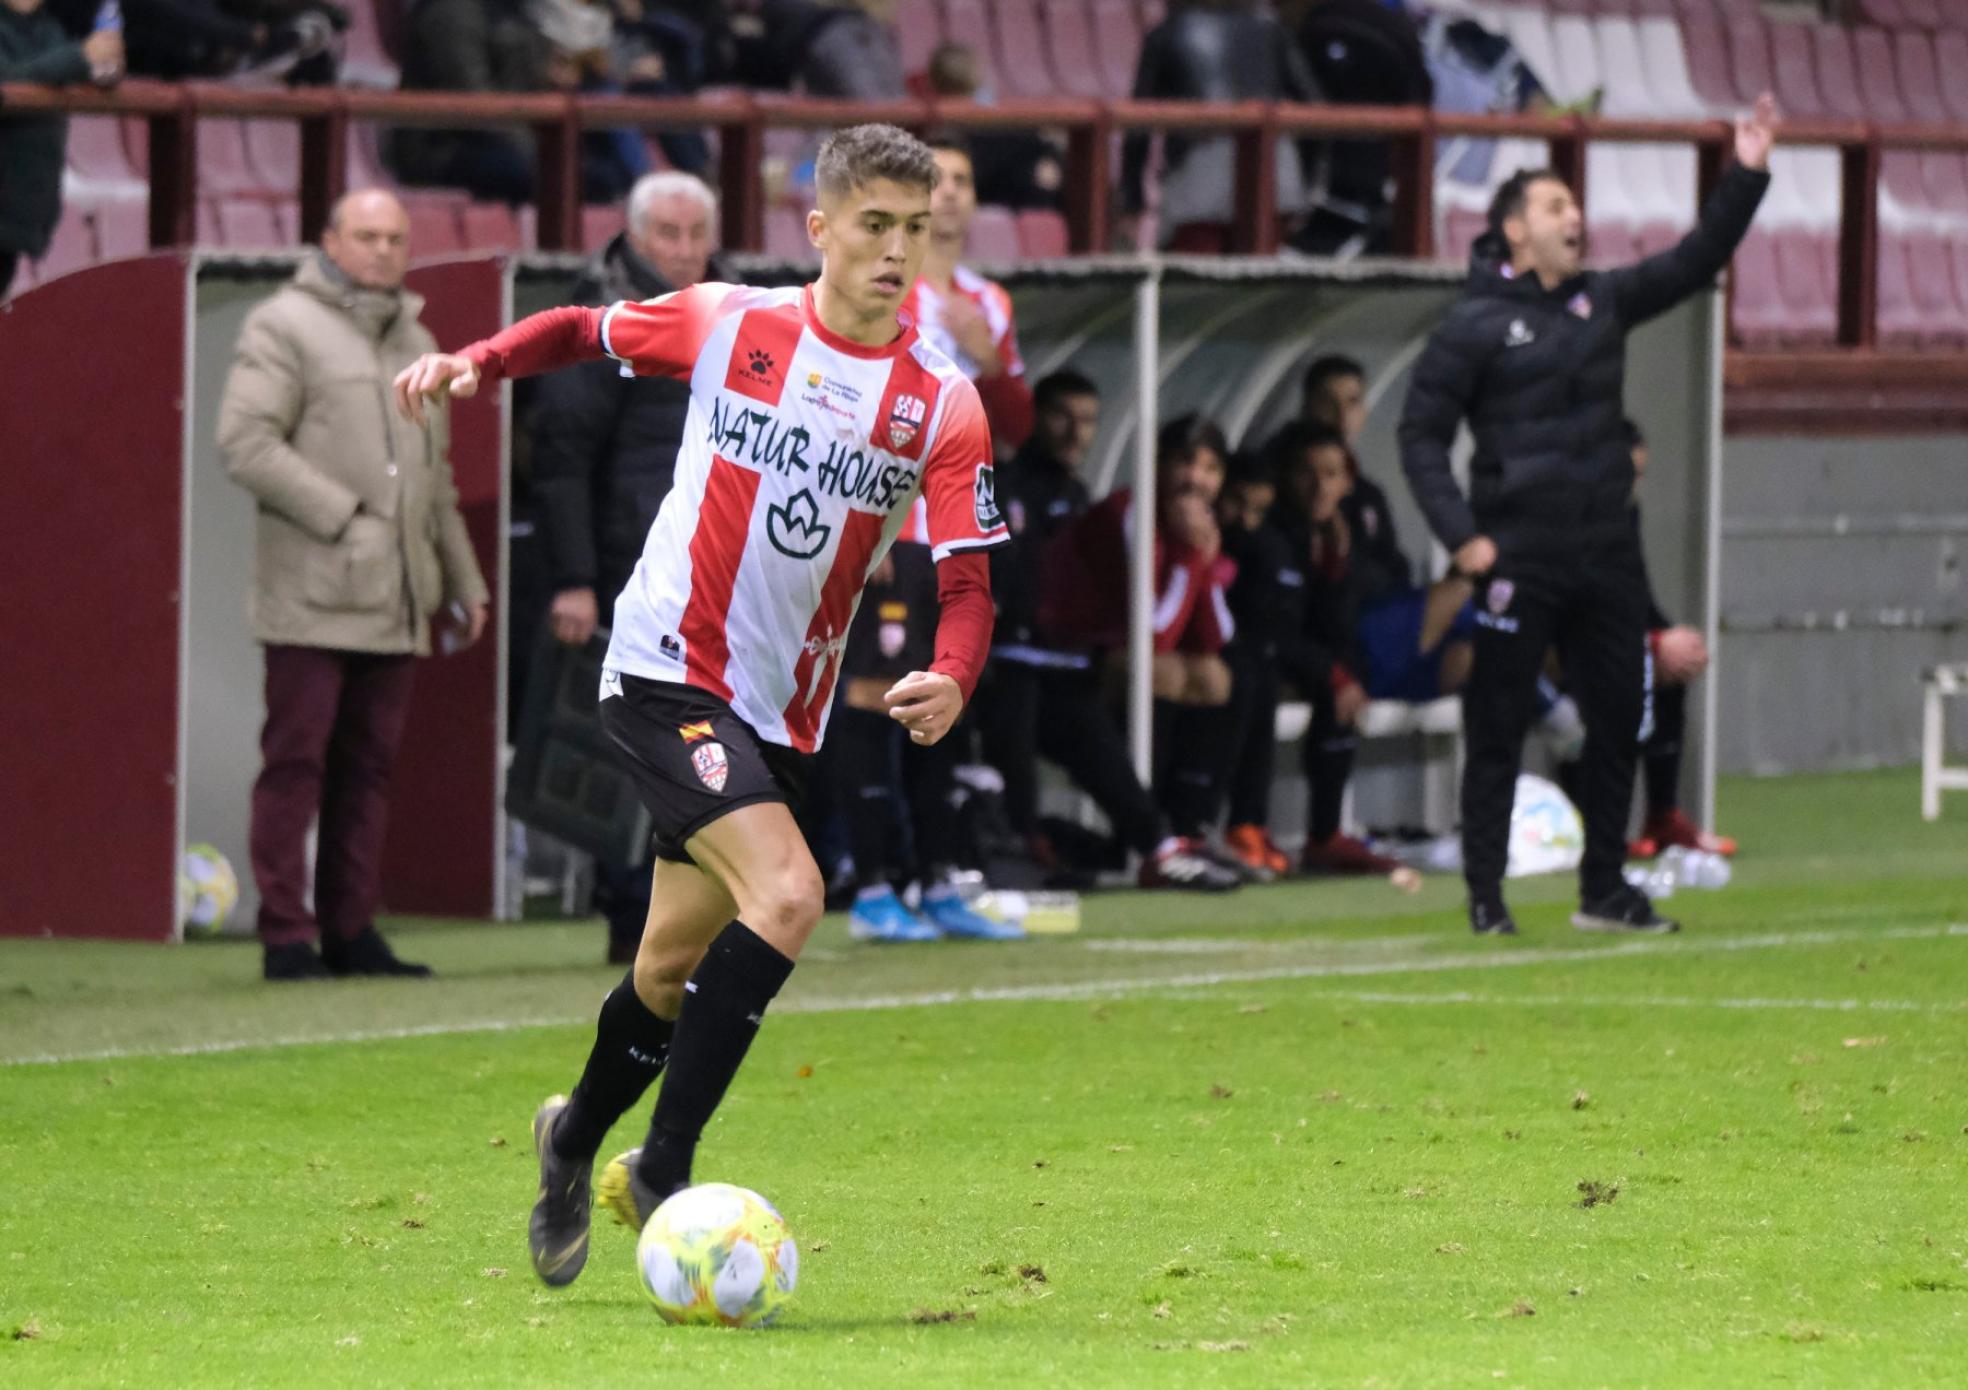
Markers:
point(432, 376)
point(926, 703)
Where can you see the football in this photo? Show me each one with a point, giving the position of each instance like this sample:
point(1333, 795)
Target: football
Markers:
point(208, 890)
point(717, 1255)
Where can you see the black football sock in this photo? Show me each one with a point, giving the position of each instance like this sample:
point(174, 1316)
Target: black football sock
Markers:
point(631, 1044)
point(722, 1006)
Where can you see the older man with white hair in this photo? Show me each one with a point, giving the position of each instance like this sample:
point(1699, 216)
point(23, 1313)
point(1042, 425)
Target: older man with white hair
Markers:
point(604, 454)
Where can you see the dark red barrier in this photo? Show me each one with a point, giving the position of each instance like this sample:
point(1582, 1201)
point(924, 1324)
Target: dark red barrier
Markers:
point(92, 486)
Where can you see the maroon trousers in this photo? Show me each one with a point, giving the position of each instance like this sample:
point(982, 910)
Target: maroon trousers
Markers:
point(333, 723)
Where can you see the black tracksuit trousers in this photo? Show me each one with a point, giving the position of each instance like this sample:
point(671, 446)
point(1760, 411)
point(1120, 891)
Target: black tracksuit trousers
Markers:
point(1591, 603)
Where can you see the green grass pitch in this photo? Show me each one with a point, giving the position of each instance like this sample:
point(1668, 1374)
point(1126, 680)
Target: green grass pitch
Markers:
point(1315, 1135)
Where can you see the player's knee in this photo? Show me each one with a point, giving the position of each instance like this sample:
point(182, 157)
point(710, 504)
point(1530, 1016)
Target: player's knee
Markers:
point(660, 975)
point(787, 906)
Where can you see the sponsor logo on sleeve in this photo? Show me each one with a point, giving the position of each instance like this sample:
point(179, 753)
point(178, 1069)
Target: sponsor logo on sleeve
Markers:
point(984, 498)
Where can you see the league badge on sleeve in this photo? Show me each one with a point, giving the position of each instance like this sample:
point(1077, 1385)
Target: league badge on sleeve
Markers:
point(905, 421)
point(713, 769)
point(1500, 593)
point(984, 498)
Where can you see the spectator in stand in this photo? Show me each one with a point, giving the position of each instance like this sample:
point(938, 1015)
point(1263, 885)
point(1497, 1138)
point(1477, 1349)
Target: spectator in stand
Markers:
point(506, 46)
point(604, 458)
point(179, 39)
point(35, 48)
point(827, 48)
point(1015, 168)
point(1315, 472)
point(659, 52)
point(1212, 50)
point(1680, 656)
point(1361, 53)
point(967, 316)
point(1083, 613)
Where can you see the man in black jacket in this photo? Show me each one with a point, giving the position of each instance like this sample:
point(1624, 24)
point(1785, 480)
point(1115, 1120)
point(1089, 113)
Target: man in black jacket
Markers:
point(35, 48)
point(604, 455)
point(1534, 358)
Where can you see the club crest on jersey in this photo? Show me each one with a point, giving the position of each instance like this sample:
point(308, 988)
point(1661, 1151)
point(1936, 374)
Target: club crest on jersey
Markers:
point(1500, 594)
point(713, 769)
point(1520, 334)
point(1581, 305)
point(984, 498)
point(905, 420)
point(690, 733)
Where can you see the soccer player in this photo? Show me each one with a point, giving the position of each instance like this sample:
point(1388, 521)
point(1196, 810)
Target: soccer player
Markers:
point(966, 315)
point(816, 418)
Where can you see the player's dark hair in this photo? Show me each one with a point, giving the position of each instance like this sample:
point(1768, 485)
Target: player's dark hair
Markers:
point(857, 156)
point(1512, 194)
point(1181, 437)
point(1060, 384)
point(1298, 439)
point(1248, 468)
point(951, 139)
point(1330, 368)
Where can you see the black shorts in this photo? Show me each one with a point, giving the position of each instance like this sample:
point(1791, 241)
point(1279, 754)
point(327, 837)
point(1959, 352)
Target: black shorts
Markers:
point(693, 759)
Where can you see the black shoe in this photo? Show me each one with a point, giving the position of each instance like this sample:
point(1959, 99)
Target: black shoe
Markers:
point(368, 954)
point(1491, 919)
point(1626, 909)
point(557, 1233)
point(294, 961)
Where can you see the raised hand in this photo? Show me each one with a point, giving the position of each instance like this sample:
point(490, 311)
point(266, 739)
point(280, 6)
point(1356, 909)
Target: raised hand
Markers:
point(1756, 132)
point(432, 376)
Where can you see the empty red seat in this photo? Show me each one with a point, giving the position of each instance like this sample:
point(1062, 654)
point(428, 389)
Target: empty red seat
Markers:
point(994, 234)
point(1021, 47)
point(1951, 51)
point(785, 234)
point(122, 227)
point(366, 61)
point(1921, 14)
point(1885, 13)
point(273, 149)
point(1757, 311)
point(1042, 234)
point(241, 224)
point(1708, 59)
point(1116, 44)
point(1920, 84)
point(1610, 244)
point(1912, 311)
point(434, 229)
point(1946, 180)
point(1879, 80)
point(1459, 233)
point(95, 150)
point(599, 225)
point(1931, 279)
point(918, 29)
point(1793, 71)
point(1070, 45)
point(1810, 296)
point(490, 227)
point(364, 163)
point(1749, 56)
point(1838, 73)
point(223, 167)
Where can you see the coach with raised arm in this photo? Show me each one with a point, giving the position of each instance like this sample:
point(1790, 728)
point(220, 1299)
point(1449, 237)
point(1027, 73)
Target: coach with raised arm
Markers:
point(1533, 357)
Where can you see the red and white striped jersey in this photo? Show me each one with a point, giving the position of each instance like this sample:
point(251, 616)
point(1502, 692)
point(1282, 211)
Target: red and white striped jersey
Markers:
point(924, 304)
point(803, 454)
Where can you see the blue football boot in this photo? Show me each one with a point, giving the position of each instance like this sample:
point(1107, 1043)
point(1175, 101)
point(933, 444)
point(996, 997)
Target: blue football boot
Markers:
point(953, 917)
point(879, 915)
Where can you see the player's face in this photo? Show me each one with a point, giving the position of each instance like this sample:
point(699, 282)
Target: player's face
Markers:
point(370, 241)
point(1200, 472)
point(1339, 402)
point(1245, 505)
point(1549, 237)
point(871, 241)
point(1639, 461)
point(954, 202)
point(1332, 478)
point(1066, 426)
point(675, 237)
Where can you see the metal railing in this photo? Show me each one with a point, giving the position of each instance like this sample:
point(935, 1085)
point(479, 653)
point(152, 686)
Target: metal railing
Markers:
point(556, 122)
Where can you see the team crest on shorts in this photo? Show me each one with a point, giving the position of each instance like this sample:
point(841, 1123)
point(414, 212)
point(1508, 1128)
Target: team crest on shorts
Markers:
point(905, 419)
point(713, 768)
point(1500, 594)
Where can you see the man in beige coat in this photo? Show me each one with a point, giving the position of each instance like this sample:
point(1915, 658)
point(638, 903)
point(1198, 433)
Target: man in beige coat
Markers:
point(360, 548)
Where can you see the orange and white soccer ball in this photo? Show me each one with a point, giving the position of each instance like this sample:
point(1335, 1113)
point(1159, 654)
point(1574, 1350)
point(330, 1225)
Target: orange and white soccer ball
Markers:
point(717, 1255)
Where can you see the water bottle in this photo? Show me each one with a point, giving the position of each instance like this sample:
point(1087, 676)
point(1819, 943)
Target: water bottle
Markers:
point(1711, 870)
point(1673, 865)
point(1657, 883)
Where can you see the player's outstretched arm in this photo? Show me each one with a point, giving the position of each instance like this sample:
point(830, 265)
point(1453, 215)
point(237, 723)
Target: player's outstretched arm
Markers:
point(542, 342)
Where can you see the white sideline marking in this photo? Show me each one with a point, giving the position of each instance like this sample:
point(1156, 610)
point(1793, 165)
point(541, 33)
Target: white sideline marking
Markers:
point(1100, 989)
point(1645, 1001)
